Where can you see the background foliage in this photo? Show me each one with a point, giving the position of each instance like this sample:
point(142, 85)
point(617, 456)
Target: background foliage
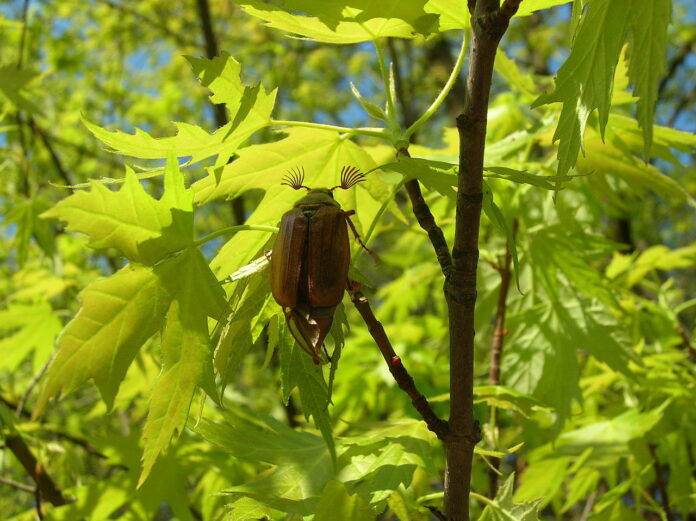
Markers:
point(199, 388)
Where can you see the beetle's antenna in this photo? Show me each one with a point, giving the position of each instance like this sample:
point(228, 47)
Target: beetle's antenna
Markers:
point(294, 178)
point(350, 176)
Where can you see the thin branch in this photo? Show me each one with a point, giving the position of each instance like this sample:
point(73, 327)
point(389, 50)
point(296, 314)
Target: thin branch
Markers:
point(489, 22)
point(675, 63)
point(497, 350)
point(396, 366)
point(17, 485)
point(684, 102)
point(62, 172)
point(427, 222)
point(174, 35)
point(437, 513)
point(660, 481)
point(44, 483)
point(499, 330)
point(35, 379)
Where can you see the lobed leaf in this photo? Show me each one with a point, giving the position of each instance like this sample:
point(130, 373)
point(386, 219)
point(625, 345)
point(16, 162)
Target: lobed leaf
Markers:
point(249, 110)
point(117, 316)
point(335, 22)
point(143, 229)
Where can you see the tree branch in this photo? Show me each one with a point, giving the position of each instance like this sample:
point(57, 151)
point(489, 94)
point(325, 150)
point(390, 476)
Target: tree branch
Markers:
point(489, 23)
point(44, 483)
point(425, 219)
point(174, 35)
point(497, 349)
point(676, 62)
point(62, 172)
point(396, 366)
point(17, 485)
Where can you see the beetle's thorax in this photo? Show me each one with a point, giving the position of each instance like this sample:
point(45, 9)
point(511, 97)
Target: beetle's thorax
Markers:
point(318, 197)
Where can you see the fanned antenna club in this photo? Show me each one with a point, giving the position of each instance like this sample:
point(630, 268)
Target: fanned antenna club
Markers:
point(294, 178)
point(350, 176)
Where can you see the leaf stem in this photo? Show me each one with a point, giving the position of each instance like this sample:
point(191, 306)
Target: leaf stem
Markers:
point(443, 93)
point(231, 229)
point(363, 131)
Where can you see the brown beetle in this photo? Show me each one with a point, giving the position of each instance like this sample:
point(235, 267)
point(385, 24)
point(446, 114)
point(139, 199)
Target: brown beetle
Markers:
point(310, 259)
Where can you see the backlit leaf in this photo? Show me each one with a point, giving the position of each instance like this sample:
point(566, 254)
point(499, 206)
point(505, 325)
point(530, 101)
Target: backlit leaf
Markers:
point(332, 21)
point(249, 110)
point(118, 314)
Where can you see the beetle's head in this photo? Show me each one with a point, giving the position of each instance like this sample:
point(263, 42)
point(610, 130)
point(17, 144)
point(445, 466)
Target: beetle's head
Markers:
point(322, 196)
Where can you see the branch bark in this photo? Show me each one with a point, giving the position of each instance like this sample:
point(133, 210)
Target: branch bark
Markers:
point(396, 366)
point(497, 348)
point(45, 485)
point(489, 22)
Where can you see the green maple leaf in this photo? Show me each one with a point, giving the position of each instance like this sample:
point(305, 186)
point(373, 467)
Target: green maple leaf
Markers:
point(585, 81)
point(142, 228)
point(249, 109)
point(186, 354)
point(334, 22)
point(118, 314)
point(650, 19)
point(502, 508)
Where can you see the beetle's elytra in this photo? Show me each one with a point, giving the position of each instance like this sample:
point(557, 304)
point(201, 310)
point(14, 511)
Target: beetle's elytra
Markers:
point(310, 260)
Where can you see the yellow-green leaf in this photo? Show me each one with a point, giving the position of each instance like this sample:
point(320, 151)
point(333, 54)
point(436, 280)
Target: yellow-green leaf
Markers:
point(117, 316)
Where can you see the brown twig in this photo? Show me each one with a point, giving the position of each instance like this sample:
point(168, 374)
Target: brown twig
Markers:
point(675, 63)
point(35, 379)
point(437, 513)
point(177, 36)
point(499, 330)
point(17, 485)
point(425, 219)
point(62, 172)
point(660, 482)
point(489, 22)
point(427, 222)
point(396, 366)
point(45, 485)
point(497, 346)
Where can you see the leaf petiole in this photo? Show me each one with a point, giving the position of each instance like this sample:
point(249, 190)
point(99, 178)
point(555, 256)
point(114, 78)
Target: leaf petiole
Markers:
point(443, 93)
point(363, 131)
point(231, 229)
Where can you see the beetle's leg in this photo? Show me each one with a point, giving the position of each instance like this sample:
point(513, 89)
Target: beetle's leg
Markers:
point(297, 324)
point(355, 232)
